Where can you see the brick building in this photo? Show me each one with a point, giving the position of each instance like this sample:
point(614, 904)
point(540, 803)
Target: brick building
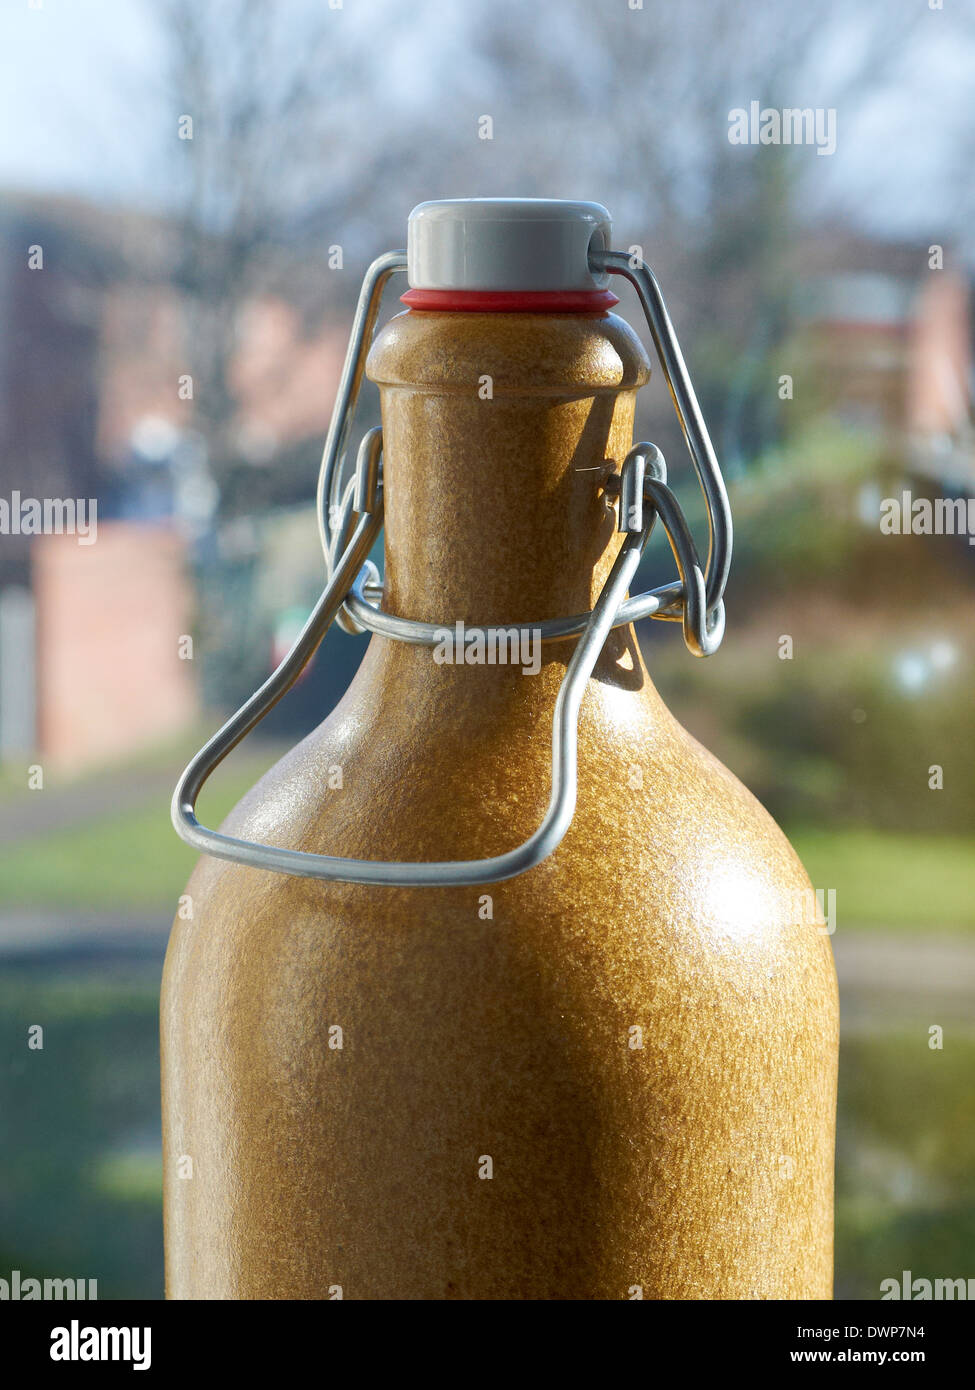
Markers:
point(93, 357)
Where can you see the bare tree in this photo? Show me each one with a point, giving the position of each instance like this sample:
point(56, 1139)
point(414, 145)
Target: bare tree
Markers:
point(630, 105)
point(268, 107)
point(309, 129)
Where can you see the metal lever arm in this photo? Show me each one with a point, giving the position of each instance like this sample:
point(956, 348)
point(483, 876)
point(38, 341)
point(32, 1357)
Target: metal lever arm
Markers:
point(696, 600)
point(562, 802)
point(665, 340)
point(361, 609)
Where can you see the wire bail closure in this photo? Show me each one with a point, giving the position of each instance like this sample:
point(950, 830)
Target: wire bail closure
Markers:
point(354, 590)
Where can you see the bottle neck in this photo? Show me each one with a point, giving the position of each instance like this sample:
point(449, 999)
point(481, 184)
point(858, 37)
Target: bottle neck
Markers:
point(499, 432)
point(498, 516)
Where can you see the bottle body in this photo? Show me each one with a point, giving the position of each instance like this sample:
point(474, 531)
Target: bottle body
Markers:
point(614, 1072)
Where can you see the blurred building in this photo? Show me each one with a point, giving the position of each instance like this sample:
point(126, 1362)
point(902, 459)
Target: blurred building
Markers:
point(114, 665)
point(97, 407)
point(98, 401)
point(884, 337)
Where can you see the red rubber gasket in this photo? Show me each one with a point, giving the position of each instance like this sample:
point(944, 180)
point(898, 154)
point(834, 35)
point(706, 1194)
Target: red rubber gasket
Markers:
point(511, 301)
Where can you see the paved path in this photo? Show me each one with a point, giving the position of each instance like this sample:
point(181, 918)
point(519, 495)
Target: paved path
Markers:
point(876, 971)
point(37, 933)
point(874, 962)
point(26, 816)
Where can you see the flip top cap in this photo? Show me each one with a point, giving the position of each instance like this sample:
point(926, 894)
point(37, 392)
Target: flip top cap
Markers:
point(506, 244)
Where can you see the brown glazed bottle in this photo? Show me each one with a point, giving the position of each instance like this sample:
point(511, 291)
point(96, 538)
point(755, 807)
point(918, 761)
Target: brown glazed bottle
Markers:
point(611, 1076)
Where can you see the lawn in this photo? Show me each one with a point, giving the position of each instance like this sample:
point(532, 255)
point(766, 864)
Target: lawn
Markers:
point(896, 882)
point(133, 861)
point(905, 1155)
point(124, 859)
point(82, 1173)
point(81, 1147)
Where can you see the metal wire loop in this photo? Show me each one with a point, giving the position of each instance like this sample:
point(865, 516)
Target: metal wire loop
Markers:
point(350, 514)
point(496, 868)
point(703, 622)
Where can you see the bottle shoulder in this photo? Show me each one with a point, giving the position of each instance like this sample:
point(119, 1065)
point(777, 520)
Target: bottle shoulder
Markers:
point(522, 353)
point(682, 840)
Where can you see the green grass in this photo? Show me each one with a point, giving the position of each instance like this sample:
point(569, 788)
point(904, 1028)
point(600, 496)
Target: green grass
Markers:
point(132, 860)
point(80, 1145)
point(130, 1177)
point(894, 882)
point(118, 862)
point(905, 1196)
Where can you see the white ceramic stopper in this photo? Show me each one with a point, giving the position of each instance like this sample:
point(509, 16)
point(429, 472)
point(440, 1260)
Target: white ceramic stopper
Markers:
point(506, 244)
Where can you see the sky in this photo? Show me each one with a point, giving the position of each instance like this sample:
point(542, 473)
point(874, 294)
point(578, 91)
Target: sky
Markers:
point(67, 122)
point(82, 112)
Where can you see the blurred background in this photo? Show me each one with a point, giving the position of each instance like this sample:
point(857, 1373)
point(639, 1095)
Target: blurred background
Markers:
point(206, 183)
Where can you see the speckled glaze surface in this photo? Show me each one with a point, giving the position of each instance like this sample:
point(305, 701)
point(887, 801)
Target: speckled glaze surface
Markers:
point(502, 1022)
